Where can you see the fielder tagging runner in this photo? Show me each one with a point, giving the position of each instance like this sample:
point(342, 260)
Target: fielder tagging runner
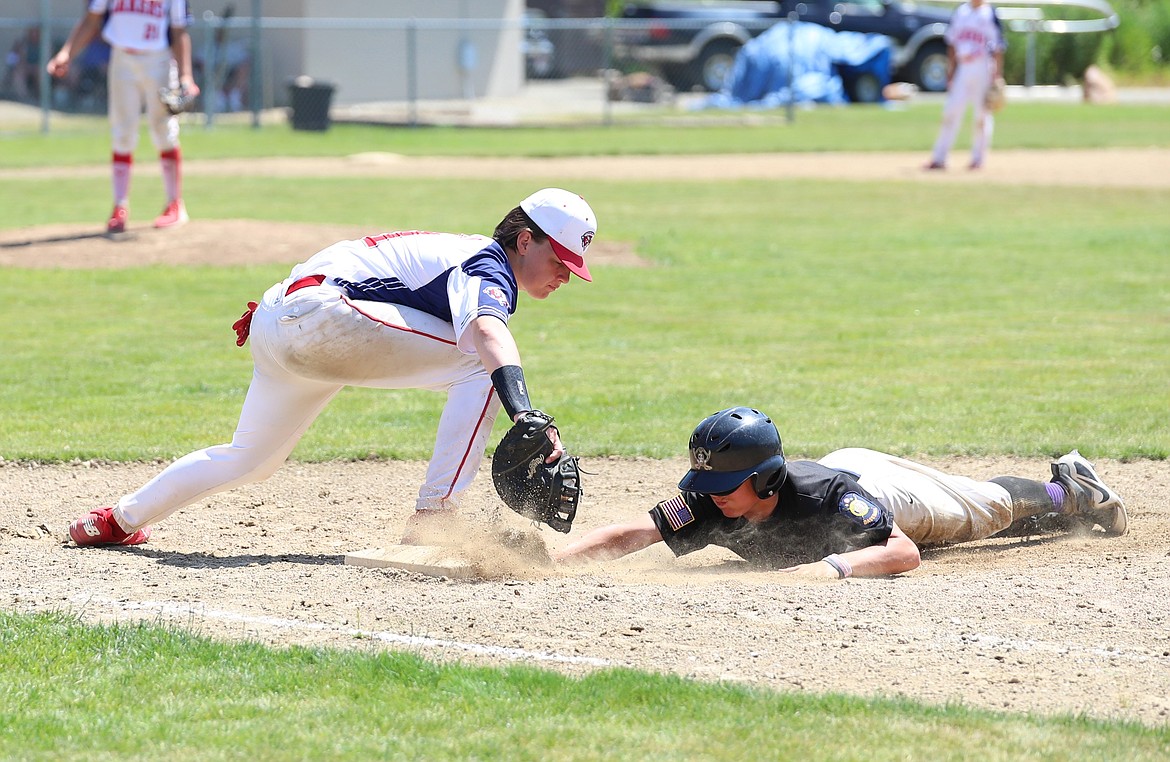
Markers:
point(855, 512)
point(403, 310)
point(150, 52)
point(975, 47)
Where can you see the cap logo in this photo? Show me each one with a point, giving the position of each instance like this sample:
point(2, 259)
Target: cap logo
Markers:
point(586, 239)
point(701, 457)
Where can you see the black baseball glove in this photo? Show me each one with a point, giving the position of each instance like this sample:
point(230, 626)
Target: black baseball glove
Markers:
point(540, 491)
point(176, 99)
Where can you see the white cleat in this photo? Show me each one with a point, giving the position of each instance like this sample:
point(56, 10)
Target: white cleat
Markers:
point(1096, 503)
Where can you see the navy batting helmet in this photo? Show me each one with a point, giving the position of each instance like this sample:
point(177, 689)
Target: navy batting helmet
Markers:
point(734, 445)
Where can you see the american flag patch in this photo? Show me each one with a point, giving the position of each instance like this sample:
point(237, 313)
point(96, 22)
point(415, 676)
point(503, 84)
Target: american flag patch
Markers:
point(677, 514)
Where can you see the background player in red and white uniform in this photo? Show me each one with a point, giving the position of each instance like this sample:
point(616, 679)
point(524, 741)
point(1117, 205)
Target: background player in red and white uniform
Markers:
point(405, 310)
point(975, 48)
point(853, 512)
point(150, 49)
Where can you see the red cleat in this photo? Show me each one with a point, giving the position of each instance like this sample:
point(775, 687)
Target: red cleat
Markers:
point(174, 215)
point(117, 222)
point(99, 528)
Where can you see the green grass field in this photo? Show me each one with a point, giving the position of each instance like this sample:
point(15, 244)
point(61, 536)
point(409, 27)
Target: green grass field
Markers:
point(854, 128)
point(887, 315)
point(903, 316)
point(138, 692)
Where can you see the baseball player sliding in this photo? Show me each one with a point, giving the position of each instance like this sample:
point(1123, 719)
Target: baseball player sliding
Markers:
point(853, 512)
point(975, 48)
point(150, 50)
point(403, 310)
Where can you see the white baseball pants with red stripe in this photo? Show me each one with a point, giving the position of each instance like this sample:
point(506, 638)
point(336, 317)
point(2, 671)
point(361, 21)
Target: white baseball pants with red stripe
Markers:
point(307, 346)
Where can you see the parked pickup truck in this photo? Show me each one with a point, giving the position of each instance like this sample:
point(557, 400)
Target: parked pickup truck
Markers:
point(694, 43)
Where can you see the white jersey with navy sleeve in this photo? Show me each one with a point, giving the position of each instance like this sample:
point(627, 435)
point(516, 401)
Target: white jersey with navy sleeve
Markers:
point(454, 277)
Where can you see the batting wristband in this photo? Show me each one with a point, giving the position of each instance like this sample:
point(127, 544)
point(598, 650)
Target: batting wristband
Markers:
point(509, 383)
point(843, 567)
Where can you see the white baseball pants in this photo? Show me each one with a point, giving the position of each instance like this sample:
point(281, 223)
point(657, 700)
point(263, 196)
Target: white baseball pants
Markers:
point(968, 87)
point(931, 507)
point(133, 81)
point(307, 346)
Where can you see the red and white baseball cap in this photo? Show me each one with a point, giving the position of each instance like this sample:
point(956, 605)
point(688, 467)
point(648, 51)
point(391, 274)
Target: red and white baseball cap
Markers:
point(568, 222)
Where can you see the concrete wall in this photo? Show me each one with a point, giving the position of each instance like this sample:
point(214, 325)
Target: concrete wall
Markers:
point(449, 63)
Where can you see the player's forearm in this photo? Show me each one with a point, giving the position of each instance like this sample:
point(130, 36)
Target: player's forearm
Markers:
point(494, 343)
point(181, 50)
point(83, 34)
point(500, 357)
point(896, 555)
point(609, 542)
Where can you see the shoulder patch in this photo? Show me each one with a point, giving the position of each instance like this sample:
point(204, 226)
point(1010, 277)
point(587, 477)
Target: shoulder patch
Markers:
point(677, 513)
point(496, 293)
point(860, 507)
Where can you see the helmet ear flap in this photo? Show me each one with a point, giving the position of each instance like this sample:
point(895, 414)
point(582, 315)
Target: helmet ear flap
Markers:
point(772, 474)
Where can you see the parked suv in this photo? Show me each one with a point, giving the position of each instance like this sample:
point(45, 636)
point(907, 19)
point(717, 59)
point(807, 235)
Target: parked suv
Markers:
point(695, 44)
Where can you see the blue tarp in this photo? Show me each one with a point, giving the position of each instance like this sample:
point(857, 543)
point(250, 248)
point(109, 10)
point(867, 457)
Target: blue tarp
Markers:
point(819, 59)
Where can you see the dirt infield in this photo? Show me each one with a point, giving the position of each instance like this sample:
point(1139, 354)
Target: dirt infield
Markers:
point(1047, 625)
point(1121, 167)
point(1052, 624)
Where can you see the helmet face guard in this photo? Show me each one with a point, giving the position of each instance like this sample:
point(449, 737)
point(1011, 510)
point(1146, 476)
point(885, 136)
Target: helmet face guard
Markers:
point(732, 446)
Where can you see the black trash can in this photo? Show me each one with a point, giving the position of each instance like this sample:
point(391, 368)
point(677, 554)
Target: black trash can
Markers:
point(309, 101)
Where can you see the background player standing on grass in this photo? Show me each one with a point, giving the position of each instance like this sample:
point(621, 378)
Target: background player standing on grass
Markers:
point(853, 512)
point(150, 50)
point(975, 48)
point(405, 310)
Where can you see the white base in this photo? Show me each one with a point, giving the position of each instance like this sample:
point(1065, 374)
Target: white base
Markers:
point(432, 560)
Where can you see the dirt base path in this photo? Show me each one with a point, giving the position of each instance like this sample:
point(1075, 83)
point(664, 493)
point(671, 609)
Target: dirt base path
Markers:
point(1120, 167)
point(1046, 625)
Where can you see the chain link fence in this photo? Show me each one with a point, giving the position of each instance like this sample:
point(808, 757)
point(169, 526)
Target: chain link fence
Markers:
point(313, 72)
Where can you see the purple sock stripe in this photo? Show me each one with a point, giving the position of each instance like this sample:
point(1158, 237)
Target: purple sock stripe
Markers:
point(1057, 493)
